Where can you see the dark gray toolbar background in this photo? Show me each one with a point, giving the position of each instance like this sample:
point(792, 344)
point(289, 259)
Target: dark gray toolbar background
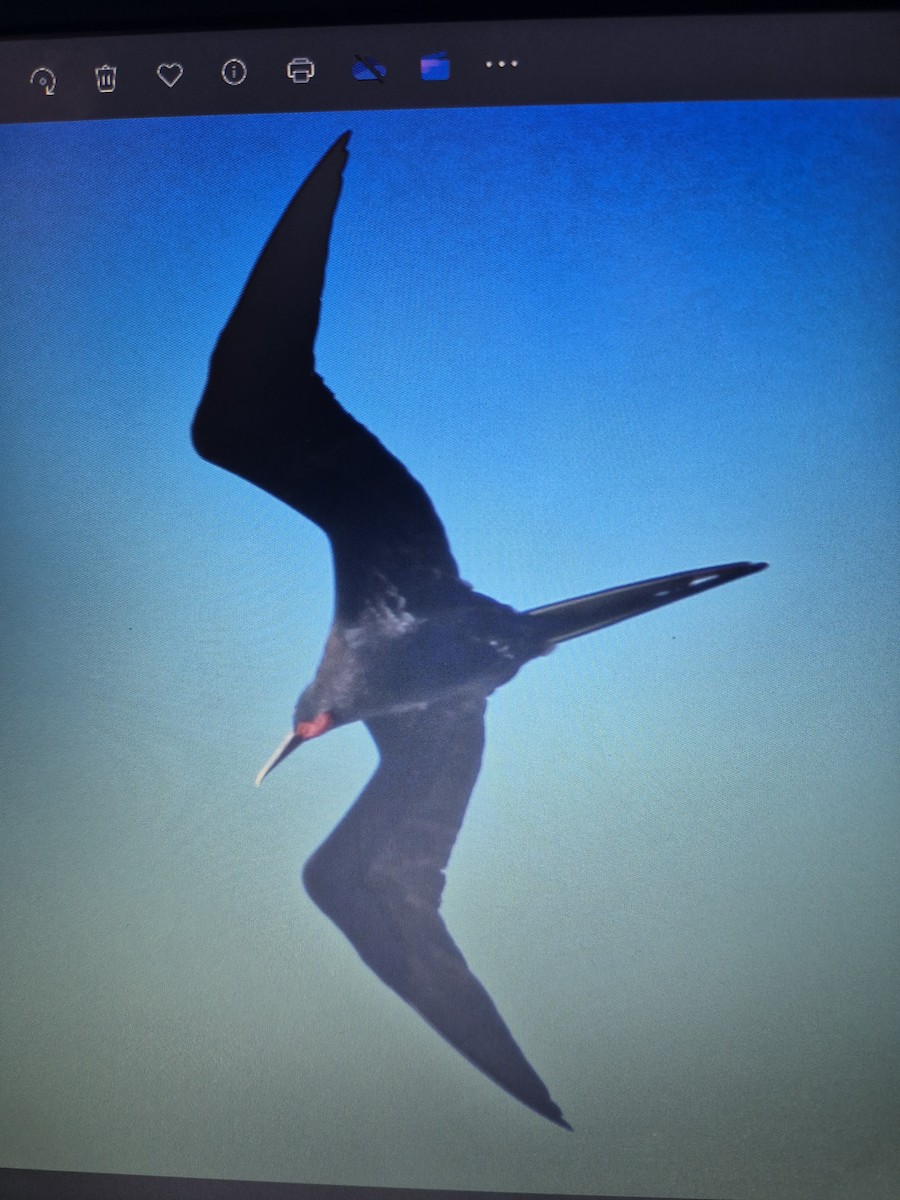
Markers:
point(558, 62)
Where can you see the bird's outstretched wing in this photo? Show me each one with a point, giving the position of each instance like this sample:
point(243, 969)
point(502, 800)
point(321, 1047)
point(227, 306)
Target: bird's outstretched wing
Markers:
point(267, 416)
point(379, 876)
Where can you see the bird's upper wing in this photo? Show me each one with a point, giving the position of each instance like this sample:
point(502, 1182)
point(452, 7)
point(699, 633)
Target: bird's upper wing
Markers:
point(267, 416)
point(380, 875)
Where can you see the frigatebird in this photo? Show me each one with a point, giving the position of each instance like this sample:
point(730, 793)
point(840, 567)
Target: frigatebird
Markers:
point(413, 651)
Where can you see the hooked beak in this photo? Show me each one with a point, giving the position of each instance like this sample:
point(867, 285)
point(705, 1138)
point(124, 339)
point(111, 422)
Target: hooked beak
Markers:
point(290, 743)
point(305, 731)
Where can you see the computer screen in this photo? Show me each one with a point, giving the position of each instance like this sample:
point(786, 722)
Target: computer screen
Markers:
point(522, 349)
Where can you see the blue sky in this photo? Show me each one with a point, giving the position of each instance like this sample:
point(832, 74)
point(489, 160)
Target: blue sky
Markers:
point(611, 342)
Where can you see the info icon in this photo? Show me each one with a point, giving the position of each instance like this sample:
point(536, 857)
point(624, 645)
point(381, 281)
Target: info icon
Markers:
point(435, 66)
point(234, 72)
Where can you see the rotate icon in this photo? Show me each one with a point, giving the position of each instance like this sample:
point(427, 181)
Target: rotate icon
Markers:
point(44, 78)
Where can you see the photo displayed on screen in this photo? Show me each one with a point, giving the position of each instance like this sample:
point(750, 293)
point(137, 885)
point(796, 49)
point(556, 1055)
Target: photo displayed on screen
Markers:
point(485, 384)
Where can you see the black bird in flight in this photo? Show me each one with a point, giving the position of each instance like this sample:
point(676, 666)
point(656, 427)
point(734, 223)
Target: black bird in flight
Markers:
point(413, 651)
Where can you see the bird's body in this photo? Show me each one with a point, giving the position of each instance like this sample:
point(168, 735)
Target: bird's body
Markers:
point(413, 652)
point(405, 650)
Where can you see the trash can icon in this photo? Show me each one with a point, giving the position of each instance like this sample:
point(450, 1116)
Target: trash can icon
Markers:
point(106, 78)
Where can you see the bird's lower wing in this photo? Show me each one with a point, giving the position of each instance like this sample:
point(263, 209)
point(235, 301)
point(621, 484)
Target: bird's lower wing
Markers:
point(380, 875)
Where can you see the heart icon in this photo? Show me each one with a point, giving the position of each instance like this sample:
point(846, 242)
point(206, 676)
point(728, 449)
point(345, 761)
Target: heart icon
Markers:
point(170, 73)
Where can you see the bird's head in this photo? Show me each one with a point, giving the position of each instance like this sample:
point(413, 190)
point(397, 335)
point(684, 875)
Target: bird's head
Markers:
point(303, 731)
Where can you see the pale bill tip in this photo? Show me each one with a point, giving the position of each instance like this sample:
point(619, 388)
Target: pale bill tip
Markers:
point(291, 742)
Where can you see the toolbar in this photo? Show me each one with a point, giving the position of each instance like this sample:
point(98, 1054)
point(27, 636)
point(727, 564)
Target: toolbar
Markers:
point(448, 65)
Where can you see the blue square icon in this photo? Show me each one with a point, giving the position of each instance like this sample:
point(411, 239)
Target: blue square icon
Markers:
point(435, 66)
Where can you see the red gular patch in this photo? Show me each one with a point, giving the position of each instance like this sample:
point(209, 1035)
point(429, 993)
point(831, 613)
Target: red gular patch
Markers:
point(307, 730)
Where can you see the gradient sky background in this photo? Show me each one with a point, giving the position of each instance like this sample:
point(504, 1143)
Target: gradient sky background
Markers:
point(611, 342)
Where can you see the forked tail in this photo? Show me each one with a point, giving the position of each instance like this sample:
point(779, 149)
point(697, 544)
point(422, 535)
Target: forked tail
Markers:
point(571, 618)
